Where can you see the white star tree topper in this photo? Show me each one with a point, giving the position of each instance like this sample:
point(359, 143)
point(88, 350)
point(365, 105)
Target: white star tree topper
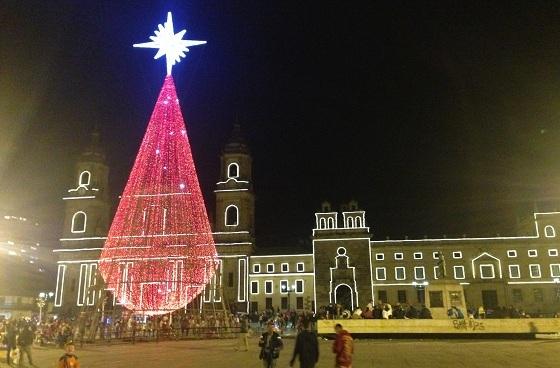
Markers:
point(169, 43)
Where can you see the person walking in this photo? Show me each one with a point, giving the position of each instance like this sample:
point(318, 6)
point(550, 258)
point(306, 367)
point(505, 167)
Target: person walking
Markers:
point(69, 359)
point(306, 347)
point(343, 347)
point(270, 344)
point(25, 341)
point(10, 340)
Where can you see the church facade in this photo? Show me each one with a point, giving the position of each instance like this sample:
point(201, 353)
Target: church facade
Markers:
point(345, 265)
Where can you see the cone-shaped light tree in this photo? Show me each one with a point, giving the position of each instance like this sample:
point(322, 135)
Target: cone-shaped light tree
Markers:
point(159, 253)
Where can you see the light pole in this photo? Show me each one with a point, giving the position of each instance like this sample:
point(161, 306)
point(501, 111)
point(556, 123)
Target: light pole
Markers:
point(42, 301)
point(288, 289)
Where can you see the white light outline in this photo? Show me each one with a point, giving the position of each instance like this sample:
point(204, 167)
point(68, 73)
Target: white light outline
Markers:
point(83, 276)
point(331, 269)
point(267, 282)
point(270, 264)
point(536, 253)
point(282, 267)
point(255, 282)
point(546, 232)
point(59, 281)
point(283, 255)
point(514, 266)
point(455, 268)
point(400, 254)
point(85, 223)
point(404, 273)
point(423, 272)
point(169, 43)
point(302, 267)
point(513, 253)
point(286, 282)
point(491, 256)
point(384, 270)
point(282, 274)
point(236, 215)
point(231, 190)
point(553, 252)
point(73, 198)
point(302, 286)
point(255, 266)
point(234, 179)
point(379, 256)
point(436, 271)
point(82, 184)
point(457, 254)
point(240, 262)
point(351, 293)
point(228, 170)
point(556, 265)
point(538, 268)
point(486, 265)
point(355, 216)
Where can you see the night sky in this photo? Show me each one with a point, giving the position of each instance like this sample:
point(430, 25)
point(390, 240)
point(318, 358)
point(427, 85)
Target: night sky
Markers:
point(437, 119)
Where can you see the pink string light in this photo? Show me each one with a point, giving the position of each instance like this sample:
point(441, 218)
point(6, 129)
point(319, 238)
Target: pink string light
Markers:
point(159, 252)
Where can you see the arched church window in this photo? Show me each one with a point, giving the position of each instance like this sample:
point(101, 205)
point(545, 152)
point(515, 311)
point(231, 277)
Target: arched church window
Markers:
point(350, 222)
point(233, 170)
point(358, 221)
point(330, 223)
point(322, 223)
point(79, 221)
point(85, 178)
point(549, 231)
point(232, 215)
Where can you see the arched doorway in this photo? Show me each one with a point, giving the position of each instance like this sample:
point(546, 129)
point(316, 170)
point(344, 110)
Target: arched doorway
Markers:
point(343, 296)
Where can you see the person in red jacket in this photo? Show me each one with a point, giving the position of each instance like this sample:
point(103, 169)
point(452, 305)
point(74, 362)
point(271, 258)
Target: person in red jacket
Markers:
point(343, 347)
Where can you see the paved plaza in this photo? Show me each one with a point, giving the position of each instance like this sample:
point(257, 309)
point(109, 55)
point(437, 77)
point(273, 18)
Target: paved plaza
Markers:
point(369, 353)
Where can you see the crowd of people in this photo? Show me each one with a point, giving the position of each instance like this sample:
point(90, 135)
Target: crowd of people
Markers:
point(379, 310)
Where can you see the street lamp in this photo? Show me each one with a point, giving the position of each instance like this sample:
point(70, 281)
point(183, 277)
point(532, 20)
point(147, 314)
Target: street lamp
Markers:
point(287, 289)
point(42, 301)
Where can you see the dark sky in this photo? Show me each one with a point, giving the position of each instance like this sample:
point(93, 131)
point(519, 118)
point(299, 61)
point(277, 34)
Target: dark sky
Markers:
point(438, 119)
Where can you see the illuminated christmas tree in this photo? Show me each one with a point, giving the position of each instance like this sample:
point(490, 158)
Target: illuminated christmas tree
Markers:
point(159, 252)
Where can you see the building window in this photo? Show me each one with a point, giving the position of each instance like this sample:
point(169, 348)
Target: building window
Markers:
point(538, 295)
point(399, 256)
point(487, 271)
point(549, 231)
point(254, 287)
point(553, 252)
point(79, 221)
point(233, 170)
point(300, 267)
point(459, 272)
point(257, 268)
point(283, 286)
point(435, 255)
point(350, 222)
point(270, 268)
point(535, 271)
point(379, 256)
point(514, 272)
point(232, 215)
point(436, 272)
point(517, 295)
point(555, 270)
point(85, 179)
point(359, 221)
point(419, 273)
point(230, 279)
point(322, 223)
point(512, 253)
point(401, 296)
point(299, 302)
point(458, 255)
point(268, 287)
point(299, 286)
point(532, 253)
point(330, 223)
point(418, 255)
point(380, 273)
point(382, 296)
point(285, 267)
point(268, 303)
point(400, 273)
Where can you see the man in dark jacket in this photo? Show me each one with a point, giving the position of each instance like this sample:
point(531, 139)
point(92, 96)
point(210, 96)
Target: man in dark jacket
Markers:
point(25, 341)
point(306, 347)
point(10, 340)
point(270, 344)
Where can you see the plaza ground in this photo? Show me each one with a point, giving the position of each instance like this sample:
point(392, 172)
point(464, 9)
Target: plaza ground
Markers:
point(368, 353)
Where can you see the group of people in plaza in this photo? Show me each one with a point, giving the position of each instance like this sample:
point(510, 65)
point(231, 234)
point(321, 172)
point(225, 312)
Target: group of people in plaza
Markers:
point(380, 310)
point(306, 347)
